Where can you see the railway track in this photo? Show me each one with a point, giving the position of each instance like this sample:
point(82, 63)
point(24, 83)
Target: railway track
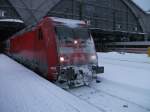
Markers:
point(128, 101)
point(125, 60)
point(105, 101)
point(138, 64)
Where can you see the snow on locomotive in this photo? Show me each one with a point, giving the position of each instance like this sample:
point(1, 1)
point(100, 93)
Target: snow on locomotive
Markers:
point(60, 50)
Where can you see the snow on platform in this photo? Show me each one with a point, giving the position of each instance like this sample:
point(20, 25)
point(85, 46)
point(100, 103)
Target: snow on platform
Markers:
point(23, 91)
point(125, 84)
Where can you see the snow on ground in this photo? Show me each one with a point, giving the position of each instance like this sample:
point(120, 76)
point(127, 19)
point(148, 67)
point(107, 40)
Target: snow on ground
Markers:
point(132, 57)
point(23, 91)
point(127, 76)
point(128, 68)
point(125, 85)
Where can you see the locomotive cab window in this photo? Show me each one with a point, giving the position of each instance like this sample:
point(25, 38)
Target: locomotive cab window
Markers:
point(74, 39)
point(64, 32)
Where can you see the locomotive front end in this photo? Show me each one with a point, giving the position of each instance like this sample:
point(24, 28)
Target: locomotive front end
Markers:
point(78, 61)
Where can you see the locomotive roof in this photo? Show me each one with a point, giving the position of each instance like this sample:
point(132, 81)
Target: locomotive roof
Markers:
point(68, 22)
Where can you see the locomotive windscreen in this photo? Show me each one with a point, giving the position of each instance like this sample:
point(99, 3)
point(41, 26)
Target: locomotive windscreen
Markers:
point(75, 45)
point(72, 33)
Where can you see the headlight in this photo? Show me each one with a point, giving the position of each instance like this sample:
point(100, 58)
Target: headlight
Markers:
point(62, 59)
point(93, 57)
point(75, 42)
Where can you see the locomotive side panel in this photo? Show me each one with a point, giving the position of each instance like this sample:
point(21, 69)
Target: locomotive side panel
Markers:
point(40, 52)
point(36, 49)
point(29, 49)
point(51, 48)
point(22, 48)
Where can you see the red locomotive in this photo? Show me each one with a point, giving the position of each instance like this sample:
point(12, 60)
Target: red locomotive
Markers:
point(59, 49)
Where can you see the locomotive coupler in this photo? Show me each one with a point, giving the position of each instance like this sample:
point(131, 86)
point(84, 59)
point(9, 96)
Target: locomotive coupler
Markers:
point(75, 76)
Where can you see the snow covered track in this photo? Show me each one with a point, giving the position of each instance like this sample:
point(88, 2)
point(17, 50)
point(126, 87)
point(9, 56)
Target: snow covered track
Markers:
point(21, 90)
point(133, 72)
point(124, 87)
point(106, 101)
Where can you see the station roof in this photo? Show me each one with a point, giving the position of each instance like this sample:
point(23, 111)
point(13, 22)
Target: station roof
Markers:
point(32, 11)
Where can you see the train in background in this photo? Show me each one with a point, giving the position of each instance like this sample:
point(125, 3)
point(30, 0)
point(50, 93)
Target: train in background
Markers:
point(130, 47)
point(61, 50)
